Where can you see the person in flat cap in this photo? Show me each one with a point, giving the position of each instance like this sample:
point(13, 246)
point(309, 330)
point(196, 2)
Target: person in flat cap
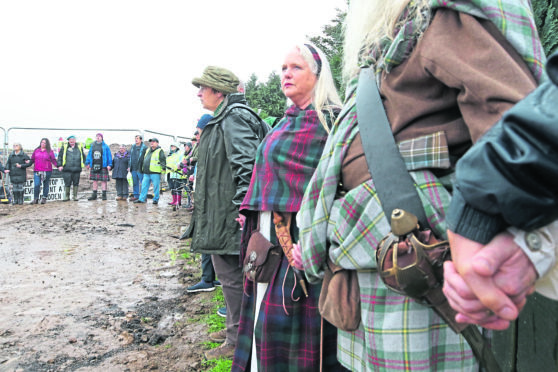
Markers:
point(152, 163)
point(226, 153)
point(99, 160)
point(71, 159)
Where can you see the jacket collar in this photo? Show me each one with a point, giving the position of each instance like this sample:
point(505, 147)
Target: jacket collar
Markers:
point(229, 100)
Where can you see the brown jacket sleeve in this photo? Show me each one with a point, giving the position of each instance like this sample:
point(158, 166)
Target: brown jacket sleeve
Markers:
point(472, 56)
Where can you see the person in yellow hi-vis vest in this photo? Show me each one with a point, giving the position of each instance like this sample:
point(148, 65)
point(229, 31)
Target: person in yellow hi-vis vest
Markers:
point(152, 163)
point(176, 178)
point(71, 160)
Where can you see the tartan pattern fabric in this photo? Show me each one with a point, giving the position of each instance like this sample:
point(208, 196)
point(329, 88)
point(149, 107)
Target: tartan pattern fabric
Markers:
point(284, 342)
point(514, 18)
point(396, 333)
point(285, 162)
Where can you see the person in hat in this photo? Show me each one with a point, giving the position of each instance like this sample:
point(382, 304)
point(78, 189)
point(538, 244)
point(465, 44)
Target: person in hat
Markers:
point(225, 154)
point(71, 160)
point(152, 163)
point(99, 161)
point(136, 151)
point(207, 282)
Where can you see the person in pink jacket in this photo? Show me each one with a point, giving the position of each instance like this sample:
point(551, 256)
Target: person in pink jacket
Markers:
point(43, 159)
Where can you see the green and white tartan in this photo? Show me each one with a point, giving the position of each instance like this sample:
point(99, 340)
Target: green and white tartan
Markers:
point(514, 19)
point(395, 332)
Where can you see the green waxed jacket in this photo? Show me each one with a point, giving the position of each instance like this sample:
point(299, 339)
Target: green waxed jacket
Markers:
point(226, 155)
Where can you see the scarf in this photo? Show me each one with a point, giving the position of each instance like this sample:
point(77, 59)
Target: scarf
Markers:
point(514, 18)
point(120, 155)
point(285, 162)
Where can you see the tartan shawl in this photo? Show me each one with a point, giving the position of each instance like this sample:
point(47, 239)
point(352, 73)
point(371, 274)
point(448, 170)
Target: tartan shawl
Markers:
point(514, 18)
point(395, 332)
point(285, 161)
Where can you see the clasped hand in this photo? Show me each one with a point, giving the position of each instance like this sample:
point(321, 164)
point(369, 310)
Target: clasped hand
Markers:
point(488, 285)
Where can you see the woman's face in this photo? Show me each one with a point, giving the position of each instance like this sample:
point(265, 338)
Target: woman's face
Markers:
point(297, 80)
point(43, 144)
point(17, 148)
point(122, 149)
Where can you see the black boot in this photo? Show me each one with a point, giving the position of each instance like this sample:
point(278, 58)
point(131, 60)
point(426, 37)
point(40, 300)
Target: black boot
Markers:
point(93, 196)
point(20, 202)
point(104, 197)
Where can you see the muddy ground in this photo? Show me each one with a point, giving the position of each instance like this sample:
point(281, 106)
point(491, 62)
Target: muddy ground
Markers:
point(93, 286)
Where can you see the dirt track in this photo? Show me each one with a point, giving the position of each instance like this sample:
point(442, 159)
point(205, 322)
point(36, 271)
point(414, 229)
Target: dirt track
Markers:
point(91, 286)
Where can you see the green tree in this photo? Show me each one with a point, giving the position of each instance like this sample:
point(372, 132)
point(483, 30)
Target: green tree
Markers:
point(331, 43)
point(266, 98)
point(546, 18)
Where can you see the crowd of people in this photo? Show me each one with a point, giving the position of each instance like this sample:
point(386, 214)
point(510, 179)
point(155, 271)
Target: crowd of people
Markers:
point(139, 166)
point(275, 207)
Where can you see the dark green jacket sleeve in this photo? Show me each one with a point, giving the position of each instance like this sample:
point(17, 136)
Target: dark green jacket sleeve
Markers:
point(242, 134)
point(510, 176)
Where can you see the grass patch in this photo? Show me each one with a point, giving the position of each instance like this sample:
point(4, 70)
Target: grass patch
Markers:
point(181, 254)
point(214, 323)
point(219, 365)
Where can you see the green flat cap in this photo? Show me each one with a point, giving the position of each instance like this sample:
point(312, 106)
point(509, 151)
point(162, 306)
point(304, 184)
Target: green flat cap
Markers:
point(219, 79)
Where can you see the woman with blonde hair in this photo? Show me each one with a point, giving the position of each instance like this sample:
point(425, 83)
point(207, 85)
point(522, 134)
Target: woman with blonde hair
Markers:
point(16, 167)
point(280, 327)
point(446, 71)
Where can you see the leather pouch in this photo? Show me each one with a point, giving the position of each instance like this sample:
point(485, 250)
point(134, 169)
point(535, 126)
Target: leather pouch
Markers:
point(262, 258)
point(339, 301)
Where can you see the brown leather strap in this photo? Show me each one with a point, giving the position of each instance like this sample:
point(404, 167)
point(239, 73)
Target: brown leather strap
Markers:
point(282, 222)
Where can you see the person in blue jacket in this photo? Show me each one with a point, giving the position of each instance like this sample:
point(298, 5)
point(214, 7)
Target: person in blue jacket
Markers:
point(99, 161)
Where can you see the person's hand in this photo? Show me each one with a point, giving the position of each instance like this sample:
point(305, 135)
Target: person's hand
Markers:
point(108, 168)
point(27, 161)
point(297, 256)
point(7, 171)
point(18, 165)
point(192, 178)
point(60, 168)
point(499, 275)
point(87, 166)
point(241, 220)
point(462, 299)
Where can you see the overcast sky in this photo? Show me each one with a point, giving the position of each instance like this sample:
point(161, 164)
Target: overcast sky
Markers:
point(129, 63)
